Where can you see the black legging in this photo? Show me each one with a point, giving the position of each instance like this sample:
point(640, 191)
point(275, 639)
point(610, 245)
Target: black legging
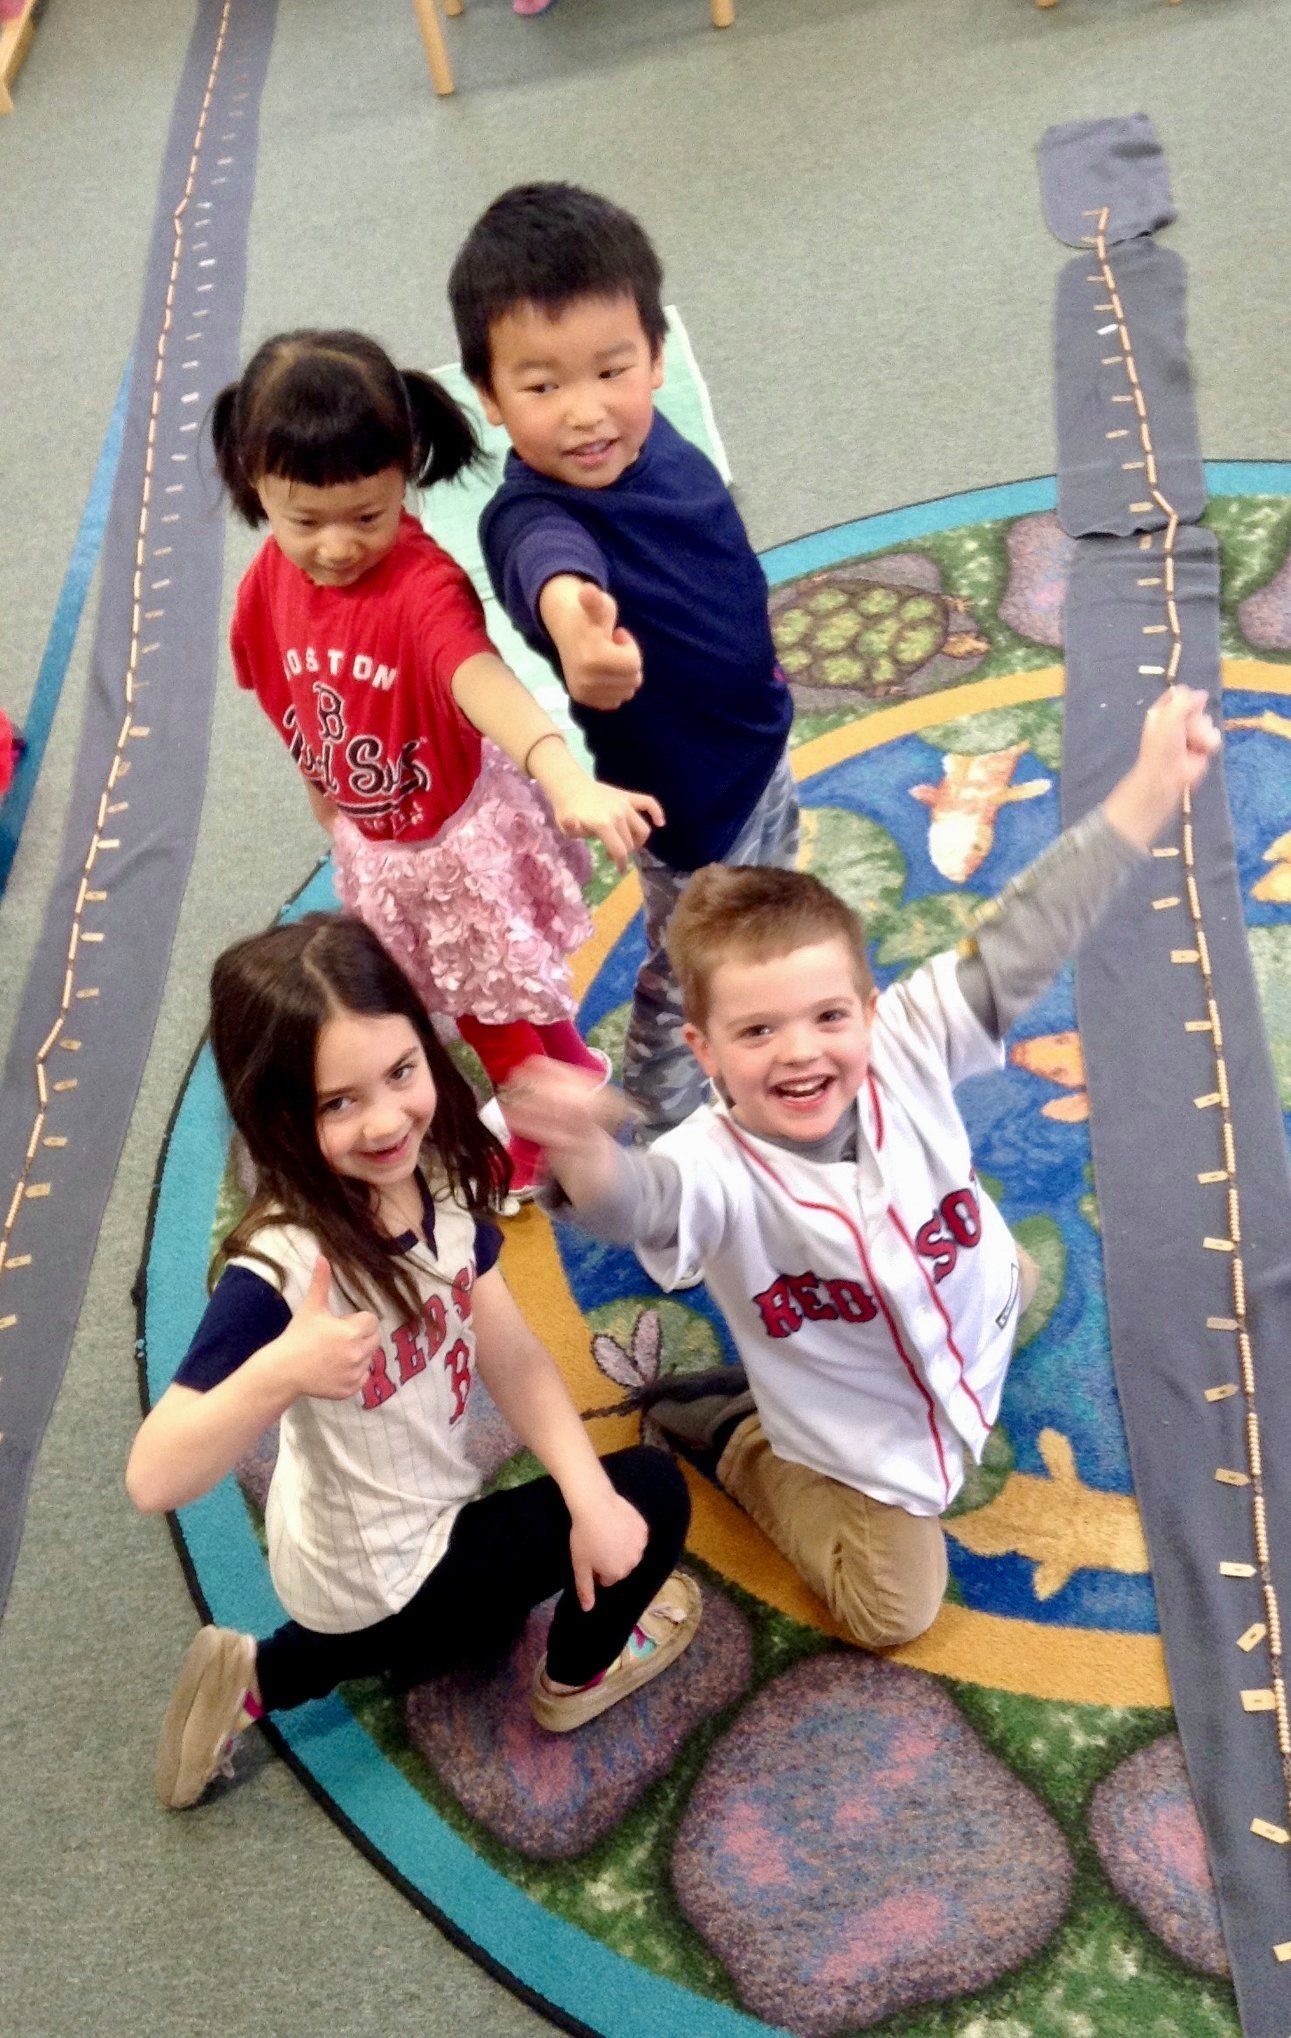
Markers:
point(507, 1552)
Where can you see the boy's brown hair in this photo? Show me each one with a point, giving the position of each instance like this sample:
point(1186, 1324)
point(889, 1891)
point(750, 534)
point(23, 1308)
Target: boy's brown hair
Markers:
point(752, 915)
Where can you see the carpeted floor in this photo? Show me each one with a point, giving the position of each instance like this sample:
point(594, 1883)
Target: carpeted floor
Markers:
point(846, 203)
point(1034, 1717)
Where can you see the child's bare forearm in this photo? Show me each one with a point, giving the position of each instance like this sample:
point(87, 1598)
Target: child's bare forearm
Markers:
point(189, 1441)
point(496, 703)
point(559, 608)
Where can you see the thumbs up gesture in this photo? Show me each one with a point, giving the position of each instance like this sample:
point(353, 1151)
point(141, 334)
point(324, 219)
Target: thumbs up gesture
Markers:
point(601, 662)
point(328, 1355)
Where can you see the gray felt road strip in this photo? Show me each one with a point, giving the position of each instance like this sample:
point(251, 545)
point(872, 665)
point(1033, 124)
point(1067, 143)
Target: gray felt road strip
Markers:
point(1117, 164)
point(95, 985)
point(1190, 1158)
point(1181, 1232)
point(1109, 395)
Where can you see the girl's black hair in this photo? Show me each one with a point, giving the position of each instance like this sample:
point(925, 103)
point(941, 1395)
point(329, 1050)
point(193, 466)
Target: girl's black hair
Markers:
point(271, 995)
point(328, 407)
point(548, 244)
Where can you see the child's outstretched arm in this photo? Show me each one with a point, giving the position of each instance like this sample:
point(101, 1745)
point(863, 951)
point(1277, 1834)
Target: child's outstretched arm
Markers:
point(190, 1439)
point(607, 1537)
point(1178, 741)
point(623, 1195)
point(1040, 919)
point(493, 699)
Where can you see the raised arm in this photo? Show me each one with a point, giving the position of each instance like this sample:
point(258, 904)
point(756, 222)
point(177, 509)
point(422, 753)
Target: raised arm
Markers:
point(493, 699)
point(1039, 920)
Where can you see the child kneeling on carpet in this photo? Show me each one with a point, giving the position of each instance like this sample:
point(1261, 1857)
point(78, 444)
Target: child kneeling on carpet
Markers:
point(357, 1295)
point(446, 789)
point(829, 1199)
point(616, 549)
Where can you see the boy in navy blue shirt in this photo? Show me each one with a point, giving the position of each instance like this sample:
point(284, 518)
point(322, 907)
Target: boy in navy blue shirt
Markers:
point(619, 555)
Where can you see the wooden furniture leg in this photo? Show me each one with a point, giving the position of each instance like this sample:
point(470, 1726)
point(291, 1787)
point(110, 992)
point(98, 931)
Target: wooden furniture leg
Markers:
point(15, 37)
point(723, 13)
point(432, 35)
point(453, 7)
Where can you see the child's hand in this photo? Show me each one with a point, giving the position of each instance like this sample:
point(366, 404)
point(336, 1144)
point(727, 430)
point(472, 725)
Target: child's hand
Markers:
point(1178, 741)
point(559, 1108)
point(328, 1356)
point(607, 1540)
point(600, 661)
point(621, 821)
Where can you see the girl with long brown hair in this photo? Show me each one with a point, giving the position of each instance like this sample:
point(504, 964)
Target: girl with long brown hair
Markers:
point(356, 1299)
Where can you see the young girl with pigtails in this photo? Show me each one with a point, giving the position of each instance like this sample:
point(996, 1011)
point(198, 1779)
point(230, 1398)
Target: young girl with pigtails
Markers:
point(448, 792)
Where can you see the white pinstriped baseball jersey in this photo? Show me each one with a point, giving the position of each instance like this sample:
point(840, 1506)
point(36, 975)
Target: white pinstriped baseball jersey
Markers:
point(366, 1491)
point(873, 1302)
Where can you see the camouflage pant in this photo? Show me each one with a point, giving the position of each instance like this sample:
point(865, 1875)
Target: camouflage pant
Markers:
point(660, 1074)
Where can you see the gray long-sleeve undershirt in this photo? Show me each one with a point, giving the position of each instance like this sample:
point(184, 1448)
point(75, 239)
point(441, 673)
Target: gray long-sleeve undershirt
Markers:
point(1018, 947)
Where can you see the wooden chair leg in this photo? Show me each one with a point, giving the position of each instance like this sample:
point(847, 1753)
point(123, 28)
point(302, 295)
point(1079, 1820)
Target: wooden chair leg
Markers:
point(1046, 3)
point(453, 7)
point(723, 12)
point(432, 35)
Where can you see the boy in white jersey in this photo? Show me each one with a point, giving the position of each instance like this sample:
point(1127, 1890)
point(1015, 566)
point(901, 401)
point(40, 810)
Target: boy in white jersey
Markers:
point(828, 1196)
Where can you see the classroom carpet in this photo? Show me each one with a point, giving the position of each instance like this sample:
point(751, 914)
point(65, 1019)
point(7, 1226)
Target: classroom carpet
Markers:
point(990, 1833)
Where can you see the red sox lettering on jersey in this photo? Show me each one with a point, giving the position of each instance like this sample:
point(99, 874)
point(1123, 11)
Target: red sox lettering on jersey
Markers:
point(873, 1302)
point(794, 1299)
point(366, 1490)
point(415, 1343)
point(372, 783)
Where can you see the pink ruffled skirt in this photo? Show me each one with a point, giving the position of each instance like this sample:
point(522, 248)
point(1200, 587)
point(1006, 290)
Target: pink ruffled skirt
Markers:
point(484, 914)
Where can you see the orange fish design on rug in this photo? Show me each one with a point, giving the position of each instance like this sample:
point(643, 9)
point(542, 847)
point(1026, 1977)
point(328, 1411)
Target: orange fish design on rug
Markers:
point(1056, 1522)
point(963, 808)
point(1275, 885)
point(1056, 1057)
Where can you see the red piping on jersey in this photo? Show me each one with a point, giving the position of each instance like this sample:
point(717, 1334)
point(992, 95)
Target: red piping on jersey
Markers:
point(931, 1286)
point(878, 1108)
point(832, 1210)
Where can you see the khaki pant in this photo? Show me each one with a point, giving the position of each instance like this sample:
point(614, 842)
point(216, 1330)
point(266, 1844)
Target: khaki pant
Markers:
point(880, 1571)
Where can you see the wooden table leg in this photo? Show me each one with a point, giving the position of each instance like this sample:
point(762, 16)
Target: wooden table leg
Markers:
point(453, 7)
point(432, 35)
point(723, 13)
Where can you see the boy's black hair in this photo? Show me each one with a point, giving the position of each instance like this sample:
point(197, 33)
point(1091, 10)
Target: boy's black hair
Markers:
point(328, 407)
point(547, 244)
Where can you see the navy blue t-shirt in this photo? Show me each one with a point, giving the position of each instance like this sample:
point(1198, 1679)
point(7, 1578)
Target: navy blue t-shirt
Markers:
point(246, 1311)
point(707, 727)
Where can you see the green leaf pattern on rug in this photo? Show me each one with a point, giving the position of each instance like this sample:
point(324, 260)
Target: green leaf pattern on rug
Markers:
point(609, 1035)
point(859, 859)
point(686, 1341)
point(925, 926)
point(1254, 532)
point(1089, 1202)
point(1042, 1238)
point(1271, 960)
point(1038, 724)
point(982, 1482)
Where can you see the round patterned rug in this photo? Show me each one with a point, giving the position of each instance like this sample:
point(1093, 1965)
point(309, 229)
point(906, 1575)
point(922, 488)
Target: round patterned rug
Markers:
point(989, 1833)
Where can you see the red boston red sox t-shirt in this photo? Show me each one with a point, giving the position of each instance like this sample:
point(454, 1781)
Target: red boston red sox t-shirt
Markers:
point(358, 680)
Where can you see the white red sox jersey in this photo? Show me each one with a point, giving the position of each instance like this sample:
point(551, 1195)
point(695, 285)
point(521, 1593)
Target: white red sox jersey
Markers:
point(365, 1491)
point(873, 1302)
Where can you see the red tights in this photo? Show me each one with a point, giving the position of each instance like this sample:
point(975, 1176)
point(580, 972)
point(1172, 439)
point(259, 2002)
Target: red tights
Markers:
point(503, 1048)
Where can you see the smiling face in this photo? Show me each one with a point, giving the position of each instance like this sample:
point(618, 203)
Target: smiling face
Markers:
point(334, 534)
point(787, 1040)
point(575, 389)
point(376, 1098)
